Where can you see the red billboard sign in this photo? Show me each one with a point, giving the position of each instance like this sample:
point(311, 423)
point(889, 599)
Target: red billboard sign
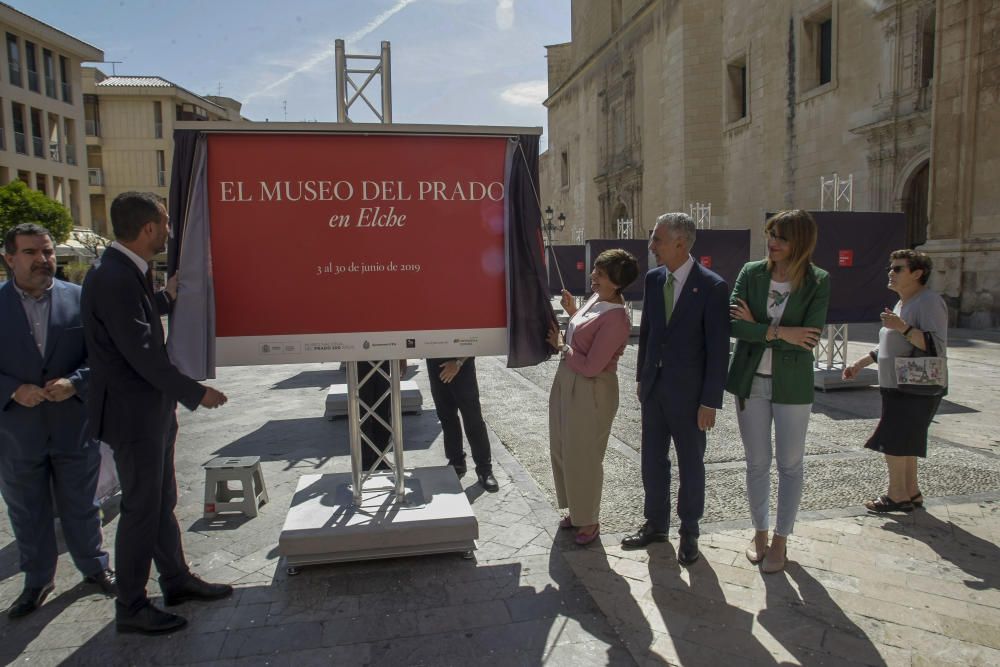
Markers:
point(357, 247)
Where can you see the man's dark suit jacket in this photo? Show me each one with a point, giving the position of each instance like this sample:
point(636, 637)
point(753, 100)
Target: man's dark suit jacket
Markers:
point(133, 385)
point(693, 349)
point(60, 423)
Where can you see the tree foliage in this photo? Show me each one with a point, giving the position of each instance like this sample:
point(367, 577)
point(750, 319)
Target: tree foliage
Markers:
point(19, 203)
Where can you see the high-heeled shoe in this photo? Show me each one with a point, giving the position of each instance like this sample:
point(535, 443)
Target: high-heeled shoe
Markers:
point(583, 539)
point(772, 566)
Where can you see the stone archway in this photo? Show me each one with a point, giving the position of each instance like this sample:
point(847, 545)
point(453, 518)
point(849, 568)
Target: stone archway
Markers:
point(915, 205)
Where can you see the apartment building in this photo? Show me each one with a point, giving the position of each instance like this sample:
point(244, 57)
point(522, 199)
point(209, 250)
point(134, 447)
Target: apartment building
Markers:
point(41, 110)
point(655, 105)
point(129, 126)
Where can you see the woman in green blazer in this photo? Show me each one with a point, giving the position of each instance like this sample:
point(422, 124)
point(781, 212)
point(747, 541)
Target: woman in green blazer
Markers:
point(778, 309)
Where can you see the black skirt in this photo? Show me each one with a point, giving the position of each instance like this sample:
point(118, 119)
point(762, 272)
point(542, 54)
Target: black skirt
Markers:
point(902, 430)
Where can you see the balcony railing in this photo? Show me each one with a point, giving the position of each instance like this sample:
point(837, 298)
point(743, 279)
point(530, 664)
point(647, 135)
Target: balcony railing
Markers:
point(32, 80)
point(20, 143)
point(15, 74)
point(54, 151)
point(71, 154)
point(92, 127)
point(50, 86)
point(95, 176)
point(38, 145)
point(67, 93)
point(161, 178)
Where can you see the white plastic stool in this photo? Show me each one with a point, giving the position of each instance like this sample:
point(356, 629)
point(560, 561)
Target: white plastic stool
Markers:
point(220, 498)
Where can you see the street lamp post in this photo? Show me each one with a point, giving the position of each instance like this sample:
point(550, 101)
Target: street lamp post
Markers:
point(550, 226)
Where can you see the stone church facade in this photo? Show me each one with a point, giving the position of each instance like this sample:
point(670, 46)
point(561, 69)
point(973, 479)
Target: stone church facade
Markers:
point(655, 105)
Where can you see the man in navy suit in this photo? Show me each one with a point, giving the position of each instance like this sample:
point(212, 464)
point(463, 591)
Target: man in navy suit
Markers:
point(43, 379)
point(134, 391)
point(681, 370)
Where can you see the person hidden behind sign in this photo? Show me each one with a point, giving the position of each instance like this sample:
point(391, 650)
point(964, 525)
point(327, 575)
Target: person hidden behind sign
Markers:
point(778, 309)
point(917, 326)
point(456, 390)
point(584, 396)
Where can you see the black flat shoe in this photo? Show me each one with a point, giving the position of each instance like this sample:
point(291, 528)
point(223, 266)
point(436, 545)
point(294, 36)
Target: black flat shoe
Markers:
point(643, 537)
point(105, 580)
point(489, 482)
point(884, 504)
point(918, 501)
point(193, 588)
point(149, 621)
point(687, 551)
point(29, 600)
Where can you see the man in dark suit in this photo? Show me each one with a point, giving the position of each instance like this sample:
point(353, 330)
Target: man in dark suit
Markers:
point(43, 379)
point(134, 391)
point(681, 370)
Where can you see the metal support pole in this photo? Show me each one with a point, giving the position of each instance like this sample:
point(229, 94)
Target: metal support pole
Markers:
point(397, 425)
point(386, 85)
point(340, 61)
point(354, 429)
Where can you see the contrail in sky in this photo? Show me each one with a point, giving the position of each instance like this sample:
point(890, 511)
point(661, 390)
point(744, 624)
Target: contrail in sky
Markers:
point(327, 52)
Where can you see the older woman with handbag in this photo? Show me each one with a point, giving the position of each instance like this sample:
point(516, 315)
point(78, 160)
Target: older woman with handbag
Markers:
point(584, 396)
point(913, 331)
point(778, 309)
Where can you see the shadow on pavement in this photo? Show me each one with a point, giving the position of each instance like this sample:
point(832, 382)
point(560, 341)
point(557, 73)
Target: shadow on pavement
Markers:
point(805, 616)
point(867, 404)
point(978, 558)
point(16, 635)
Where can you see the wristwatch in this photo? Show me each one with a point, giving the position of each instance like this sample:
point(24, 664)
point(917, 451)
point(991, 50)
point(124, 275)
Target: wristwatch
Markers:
point(459, 362)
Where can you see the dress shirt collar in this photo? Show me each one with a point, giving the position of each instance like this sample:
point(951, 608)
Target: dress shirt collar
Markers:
point(139, 262)
point(46, 295)
point(681, 274)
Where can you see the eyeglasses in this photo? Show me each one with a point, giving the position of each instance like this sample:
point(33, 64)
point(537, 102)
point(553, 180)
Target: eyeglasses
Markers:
point(774, 236)
point(895, 269)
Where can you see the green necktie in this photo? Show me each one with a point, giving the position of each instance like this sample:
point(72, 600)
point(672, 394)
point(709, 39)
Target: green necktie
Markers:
point(668, 296)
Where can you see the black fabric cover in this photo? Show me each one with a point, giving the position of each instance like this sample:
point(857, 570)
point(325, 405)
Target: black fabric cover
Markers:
point(572, 263)
point(180, 185)
point(637, 247)
point(723, 251)
point(530, 311)
point(858, 293)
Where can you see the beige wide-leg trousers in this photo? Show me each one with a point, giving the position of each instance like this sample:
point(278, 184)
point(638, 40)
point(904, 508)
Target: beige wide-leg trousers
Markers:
point(581, 410)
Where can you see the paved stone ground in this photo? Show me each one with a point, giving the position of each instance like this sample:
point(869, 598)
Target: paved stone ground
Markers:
point(919, 589)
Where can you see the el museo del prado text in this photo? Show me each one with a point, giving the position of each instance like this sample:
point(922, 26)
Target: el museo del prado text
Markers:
point(364, 191)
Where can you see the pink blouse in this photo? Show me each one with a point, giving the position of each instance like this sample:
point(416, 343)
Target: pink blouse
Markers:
point(598, 342)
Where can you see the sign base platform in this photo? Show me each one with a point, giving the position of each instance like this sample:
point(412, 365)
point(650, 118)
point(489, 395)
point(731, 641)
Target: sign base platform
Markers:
point(826, 380)
point(336, 399)
point(324, 526)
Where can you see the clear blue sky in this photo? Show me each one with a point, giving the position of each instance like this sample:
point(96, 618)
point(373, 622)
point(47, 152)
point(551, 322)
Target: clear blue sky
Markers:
point(478, 62)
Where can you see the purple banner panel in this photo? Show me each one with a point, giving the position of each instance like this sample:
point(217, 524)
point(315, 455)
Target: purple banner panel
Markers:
point(854, 247)
point(573, 266)
point(724, 251)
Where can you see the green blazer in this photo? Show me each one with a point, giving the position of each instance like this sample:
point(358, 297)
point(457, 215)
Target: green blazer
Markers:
point(791, 365)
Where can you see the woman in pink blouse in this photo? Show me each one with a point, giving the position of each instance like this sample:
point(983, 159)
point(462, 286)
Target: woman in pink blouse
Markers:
point(584, 397)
